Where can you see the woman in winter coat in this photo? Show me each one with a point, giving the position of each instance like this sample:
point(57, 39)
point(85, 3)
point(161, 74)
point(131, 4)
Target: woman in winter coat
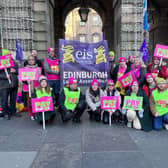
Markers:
point(138, 119)
point(42, 91)
point(111, 91)
point(93, 95)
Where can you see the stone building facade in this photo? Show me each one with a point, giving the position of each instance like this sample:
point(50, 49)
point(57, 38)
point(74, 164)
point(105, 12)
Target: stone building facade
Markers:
point(41, 23)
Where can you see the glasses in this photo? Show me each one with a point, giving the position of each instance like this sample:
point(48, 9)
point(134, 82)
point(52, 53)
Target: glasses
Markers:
point(31, 59)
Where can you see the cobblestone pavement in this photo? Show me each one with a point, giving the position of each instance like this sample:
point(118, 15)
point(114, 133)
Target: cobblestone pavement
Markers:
point(24, 144)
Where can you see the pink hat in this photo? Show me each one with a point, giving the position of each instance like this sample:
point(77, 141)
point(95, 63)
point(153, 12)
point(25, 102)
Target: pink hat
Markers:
point(72, 80)
point(156, 58)
point(110, 81)
point(95, 82)
point(135, 83)
point(122, 59)
point(131, 56)
point(148, 75)
point(51, 49)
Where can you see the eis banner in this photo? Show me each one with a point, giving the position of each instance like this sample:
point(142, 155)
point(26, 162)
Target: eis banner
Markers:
point(83, 61)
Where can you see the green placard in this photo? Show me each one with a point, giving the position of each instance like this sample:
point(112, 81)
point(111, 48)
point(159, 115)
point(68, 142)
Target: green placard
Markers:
point(133, 103)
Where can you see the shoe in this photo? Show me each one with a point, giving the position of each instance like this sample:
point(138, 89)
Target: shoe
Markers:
point(166, 126)
point(17, 115)
point(32, 118)
point(129, 124)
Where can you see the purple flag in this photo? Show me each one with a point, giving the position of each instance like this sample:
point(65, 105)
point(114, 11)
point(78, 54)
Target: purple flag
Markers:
point(143, 49)
point(19, 51)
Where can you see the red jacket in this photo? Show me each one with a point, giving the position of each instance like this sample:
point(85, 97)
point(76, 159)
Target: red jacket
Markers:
point(147, 90)
point(163, 73)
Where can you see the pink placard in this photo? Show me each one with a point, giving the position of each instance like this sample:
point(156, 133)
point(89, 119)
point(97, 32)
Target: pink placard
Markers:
point(109, 102)
point(161, 51)
point(26, 74)
point(6, 61)
point(127, 79)
point(42, 104)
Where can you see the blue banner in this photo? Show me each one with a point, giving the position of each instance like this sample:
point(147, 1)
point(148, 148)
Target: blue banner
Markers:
point(84, 62)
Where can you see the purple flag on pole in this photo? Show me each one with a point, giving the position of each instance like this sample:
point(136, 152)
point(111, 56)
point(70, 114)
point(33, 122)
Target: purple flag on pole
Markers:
point(19, 51)
point(143, 49)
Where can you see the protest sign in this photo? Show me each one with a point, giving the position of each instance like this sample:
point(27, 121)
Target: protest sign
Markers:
point(26, 74)
point(6, 61)
point(109, 102)
point(161, 51)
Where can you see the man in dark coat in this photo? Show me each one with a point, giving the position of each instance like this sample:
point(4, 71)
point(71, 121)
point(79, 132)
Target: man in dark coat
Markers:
point(9, 91)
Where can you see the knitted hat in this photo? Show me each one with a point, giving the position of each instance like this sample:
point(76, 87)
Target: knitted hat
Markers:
point(111, 53)
point(131, 56)
point(159, 80)
point(110, 82)
point(148, 75)
point(95, 82)
point(51, 49)
point(72, 80)
point(135, 83)
point(122, 59)
point(156, 58)
point(41, 78)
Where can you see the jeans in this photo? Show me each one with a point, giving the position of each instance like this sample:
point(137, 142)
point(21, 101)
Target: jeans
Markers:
point(10, 95)
point(158, 121)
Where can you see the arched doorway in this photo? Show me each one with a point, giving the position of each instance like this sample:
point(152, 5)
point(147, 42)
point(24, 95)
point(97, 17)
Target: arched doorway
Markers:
point(90, 31)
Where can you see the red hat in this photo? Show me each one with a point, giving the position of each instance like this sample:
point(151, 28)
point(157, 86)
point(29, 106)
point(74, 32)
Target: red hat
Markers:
point(156, 58)
point(95, 82)
point(110, 81)
point(135, 83)
point(148, 75)
point(72, 80)
point(51, 49)
point(122, 59)
point(131, 56)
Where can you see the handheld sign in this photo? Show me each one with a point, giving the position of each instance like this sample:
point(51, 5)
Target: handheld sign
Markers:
point(127, 79)
point(42, 105)
point(161, 51)
point(109, 102)
point(26, 74)
point(133, 103)
point(6, 61)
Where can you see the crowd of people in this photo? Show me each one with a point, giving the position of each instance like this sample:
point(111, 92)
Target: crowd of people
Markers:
point(71, 102)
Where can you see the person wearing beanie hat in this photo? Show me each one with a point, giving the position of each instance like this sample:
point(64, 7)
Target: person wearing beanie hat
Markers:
point(111, 61)
point(138, 119)
point(130, 62)
point(159, 105)
point(156, 69)
point(114, 114)
point(93, 95)
point(52, 70)
point(71, 102)
point(149, 85)
point(44, 90)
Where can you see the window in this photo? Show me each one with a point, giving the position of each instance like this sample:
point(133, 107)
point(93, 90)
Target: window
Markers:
point(82, 38)
point(82, 23)
point(95, 38)
point(95, 20)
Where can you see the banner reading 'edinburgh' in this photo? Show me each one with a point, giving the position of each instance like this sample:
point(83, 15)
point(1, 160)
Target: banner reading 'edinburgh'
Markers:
point(83, 61)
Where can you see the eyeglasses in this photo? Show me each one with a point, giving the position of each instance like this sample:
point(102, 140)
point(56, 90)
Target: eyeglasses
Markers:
point(31, 59)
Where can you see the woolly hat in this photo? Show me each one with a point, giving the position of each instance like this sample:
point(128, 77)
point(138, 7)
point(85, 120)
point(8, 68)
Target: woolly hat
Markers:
point(156, 58)
point(110, 82)
point(41, 78)
point(135, 83)
point(72, 80)
point(95, 82)
point(51, 49)
point(159, 80)
point(122, 59)
point(148, 75)
point(111, 53)
point(131, 56)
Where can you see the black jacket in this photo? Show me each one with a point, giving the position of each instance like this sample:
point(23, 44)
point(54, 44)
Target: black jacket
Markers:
point(62, 99)
point(4, 83)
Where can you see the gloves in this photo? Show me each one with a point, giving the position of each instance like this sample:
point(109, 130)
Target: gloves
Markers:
point(140, 113)
point(123, 111)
